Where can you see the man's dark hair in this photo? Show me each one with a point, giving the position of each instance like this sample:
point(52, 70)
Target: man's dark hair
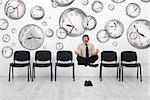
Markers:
point(85, 36)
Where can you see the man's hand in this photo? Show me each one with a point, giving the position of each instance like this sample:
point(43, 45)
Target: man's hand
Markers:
point(96, 51)
point(76, 53)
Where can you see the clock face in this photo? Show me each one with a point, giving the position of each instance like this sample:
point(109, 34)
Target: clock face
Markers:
point(102, 36)
point(63, 3)
point(6, 38)
point(71, 20)
point(7, 52)
point(97, 6)
point(31, 37)
point(145, 1)
point(89, 23)
point(133, 10)
point(85, 2)
point(138, 34)
point(118, 1)
point(37, 13)
point(61, 33)
point(15, 9)
point(3, 24)
point(49, 32)
point(115, 28)
point(59, 46)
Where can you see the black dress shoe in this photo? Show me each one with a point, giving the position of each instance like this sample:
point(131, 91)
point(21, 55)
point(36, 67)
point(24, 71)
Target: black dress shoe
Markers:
point(93, 65)
point(86, 83)
point(90, 83)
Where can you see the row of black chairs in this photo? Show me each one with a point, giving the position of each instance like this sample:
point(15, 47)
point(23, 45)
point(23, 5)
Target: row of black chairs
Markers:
point(43, 59)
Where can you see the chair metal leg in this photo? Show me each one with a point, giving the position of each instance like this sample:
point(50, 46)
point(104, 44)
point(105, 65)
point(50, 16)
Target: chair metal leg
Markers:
point(28, 73)
point(73, 73)
point(55, 72)
point(137, 72)
point(51, 73)
point(141, 73)
point(9, 73)
point(117, 72)
point(122, 73)
point(100, 73)
point(12, 72)
point(33, 73)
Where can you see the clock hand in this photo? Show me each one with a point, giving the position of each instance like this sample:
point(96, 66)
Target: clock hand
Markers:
point(17, 10)
point(2, 23)
point(138, 31)
point(34, 38)
point(71, 23)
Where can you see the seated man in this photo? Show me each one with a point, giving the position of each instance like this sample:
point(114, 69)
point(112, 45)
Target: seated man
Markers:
point(86, 53)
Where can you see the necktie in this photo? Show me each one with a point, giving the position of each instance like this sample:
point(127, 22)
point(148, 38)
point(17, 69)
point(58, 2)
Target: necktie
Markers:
point(87, 50)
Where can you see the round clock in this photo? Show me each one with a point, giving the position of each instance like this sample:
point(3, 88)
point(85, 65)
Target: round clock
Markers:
point(63, 3)
point(3, 24)
point(115, 28)
point(6, 38)
point(59, 46)
point(111, 7)
point(71, 20)
point(37, 13)
point(15, 9)
point(31, 37)
point(102, 36)
point(133, 10)
point(61, 33)
point(13, 30)
point(85, 2)
point(49, 32)
point(145, 1)
point(7, 52)
point(138, 34)
point(89, 22)
point(97, 6)
point(118, 1)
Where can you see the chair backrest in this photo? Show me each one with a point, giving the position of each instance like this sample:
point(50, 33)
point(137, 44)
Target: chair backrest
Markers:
point(21, 56)
point(108, 56)
point(128, 56)
point(43, 55)
point(64, 56)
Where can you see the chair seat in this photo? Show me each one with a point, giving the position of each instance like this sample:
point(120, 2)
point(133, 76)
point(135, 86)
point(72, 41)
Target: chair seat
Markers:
point(64, 64)
point(131, 65)
point(110, 65)
point(19, 64)
point(42, 64)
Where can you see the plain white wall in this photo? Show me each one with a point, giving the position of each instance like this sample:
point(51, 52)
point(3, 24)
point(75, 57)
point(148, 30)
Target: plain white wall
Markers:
point(70, 43)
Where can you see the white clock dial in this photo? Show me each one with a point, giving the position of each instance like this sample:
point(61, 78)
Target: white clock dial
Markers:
point(115, 28)
point(49, 32)
point(71, 20)
point(63, 3)
point(61, 33)
point(6, 38)
point(3, 24)
point(89, 22)
point(15, 9)
point(97, 6)
point(138, 34)
point(37, 13)
point(133, 10)
point(102, 36)
point(59, 46)
point(118, 1)
point(31, 37)
point(7, 52)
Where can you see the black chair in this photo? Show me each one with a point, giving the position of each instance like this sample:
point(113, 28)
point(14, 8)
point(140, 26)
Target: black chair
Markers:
point(42, 60)
point(129, 59)
point(21, 59)
point(66, 57)
point(109, 60)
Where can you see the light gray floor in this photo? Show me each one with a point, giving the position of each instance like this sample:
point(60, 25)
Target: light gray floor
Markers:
point(65, 89)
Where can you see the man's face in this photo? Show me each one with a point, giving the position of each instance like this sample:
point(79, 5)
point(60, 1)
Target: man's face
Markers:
point(85, 40)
